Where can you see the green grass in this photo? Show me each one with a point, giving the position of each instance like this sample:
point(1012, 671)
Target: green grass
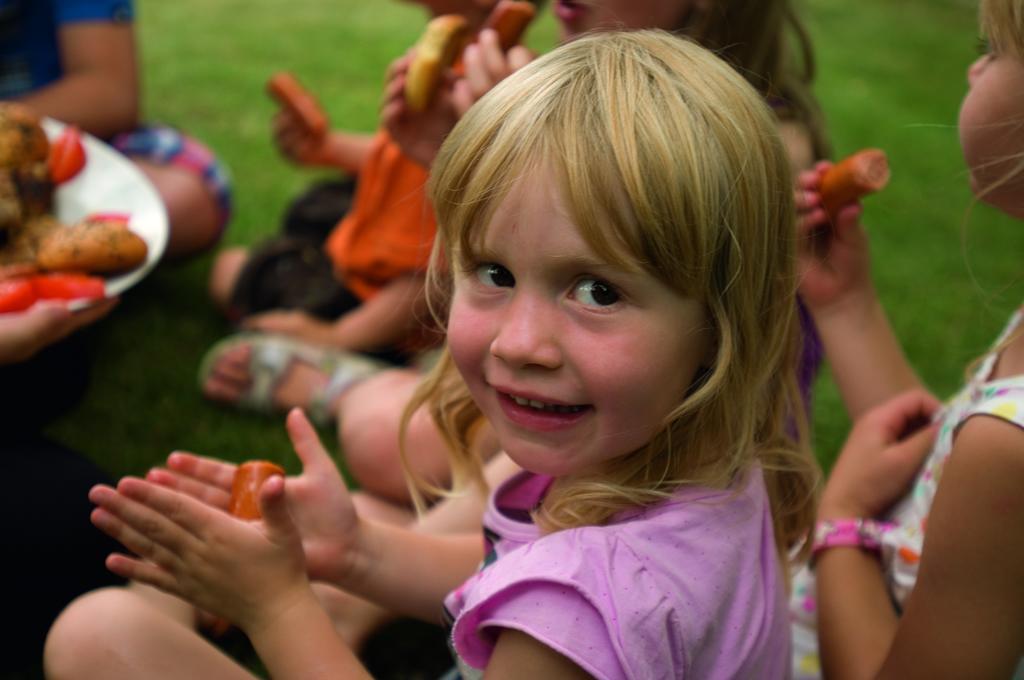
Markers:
point(891, 74)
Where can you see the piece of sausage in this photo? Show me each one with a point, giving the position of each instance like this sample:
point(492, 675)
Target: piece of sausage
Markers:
point(862, 173)
point(286, 90)
point(245, 487)
point(510, 19)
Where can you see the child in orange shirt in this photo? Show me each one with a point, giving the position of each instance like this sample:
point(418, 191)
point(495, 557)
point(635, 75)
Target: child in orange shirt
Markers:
point(320, 312)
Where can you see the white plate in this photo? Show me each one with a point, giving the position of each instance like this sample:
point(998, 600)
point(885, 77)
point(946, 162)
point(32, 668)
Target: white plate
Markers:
point(110, 183)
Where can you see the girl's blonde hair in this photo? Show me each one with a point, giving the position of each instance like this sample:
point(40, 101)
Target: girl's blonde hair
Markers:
point(669, 162)
point(1002, 22)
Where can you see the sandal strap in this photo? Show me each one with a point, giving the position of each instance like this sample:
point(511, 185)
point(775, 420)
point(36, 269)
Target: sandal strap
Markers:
point(345, 370)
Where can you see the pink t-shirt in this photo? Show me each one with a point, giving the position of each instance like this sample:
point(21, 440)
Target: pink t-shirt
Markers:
point(690, 587)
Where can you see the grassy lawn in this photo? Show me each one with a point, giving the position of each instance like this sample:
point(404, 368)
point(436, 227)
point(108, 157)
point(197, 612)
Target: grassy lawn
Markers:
point(890, 74)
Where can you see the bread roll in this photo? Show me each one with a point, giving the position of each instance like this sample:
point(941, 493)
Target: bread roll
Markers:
point(436, 50)
point(98, 244)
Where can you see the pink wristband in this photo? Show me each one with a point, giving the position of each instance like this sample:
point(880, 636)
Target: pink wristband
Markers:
point(865, 534)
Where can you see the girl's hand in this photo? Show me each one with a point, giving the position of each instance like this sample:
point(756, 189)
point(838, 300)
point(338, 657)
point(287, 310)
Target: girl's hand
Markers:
point(834, 257)
point(486, 65)
point(206, 479)
point(24, 334)
point(321, 507)
point(247, 572)
point(295, 142)
point(419, 134)
point(882, 453)
point(318, 499)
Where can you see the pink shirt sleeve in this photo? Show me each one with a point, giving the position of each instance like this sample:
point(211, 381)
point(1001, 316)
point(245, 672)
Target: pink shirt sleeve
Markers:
point(555, 614)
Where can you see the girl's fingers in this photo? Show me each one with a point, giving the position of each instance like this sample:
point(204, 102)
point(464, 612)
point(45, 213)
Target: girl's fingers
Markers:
point(211, 495)
point(275, 513)
point(307, 443)
point(519, 57)
point(904, 416)
point(141, 544)
point(395, 89)
point(149, 506)
point(143, 572)
point(215, 472)
point(462, 97)
point(477, 76)
point(492, 55)
point(804, 199)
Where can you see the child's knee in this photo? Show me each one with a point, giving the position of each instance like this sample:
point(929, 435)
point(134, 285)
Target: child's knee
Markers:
point(370, 445)
point(224, 274)
point(88, 630)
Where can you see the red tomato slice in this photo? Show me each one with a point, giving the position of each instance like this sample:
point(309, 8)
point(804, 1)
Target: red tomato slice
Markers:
point(63, 286)
point(67, 155)
point(16, 295)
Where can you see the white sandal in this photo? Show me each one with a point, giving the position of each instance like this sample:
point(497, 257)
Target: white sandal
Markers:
point(271, 356)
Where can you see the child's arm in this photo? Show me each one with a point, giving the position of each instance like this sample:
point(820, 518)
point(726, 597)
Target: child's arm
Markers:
point(420, 134)
point(345, 151)
point(383, 320)
point(856, 619)
point(866, 358)
point(366, 559)
point(965, 616)
point(99, 90)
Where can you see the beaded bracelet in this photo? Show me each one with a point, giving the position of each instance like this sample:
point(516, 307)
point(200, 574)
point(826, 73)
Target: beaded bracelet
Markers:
point(865, 534)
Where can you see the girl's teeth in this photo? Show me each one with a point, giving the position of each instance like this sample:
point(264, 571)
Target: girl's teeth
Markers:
point(539, 405)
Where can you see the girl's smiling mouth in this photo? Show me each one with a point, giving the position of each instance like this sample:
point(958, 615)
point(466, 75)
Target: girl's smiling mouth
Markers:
point(535, 414)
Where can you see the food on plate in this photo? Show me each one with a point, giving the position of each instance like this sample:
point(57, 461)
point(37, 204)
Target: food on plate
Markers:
point(31, 165)
point(857, 175)
point(285, 88)
point(102, 244)
point(16, 294)
point(22, 139)
point(249, 477)
point(442, 41)
point(510, 19)
point(26, 191)
point(67, 155)
point(20, 291)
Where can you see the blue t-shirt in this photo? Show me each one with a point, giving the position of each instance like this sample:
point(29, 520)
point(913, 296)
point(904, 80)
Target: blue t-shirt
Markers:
point(29, 52)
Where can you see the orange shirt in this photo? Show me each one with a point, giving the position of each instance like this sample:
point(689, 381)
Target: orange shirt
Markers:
point(390, 229)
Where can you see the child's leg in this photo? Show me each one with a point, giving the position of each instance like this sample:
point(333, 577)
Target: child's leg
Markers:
point(224, 275)
point(369, 419)
point(191, 182)
point(194, 217)
point(118, 633)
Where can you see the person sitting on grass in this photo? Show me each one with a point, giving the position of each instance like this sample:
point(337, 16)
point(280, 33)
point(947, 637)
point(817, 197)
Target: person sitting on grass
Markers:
point(75, 61)
point(917, 567)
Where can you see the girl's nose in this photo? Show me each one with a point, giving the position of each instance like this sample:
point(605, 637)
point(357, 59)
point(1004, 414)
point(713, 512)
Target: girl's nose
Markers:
point(976, 67)
point(527, 334)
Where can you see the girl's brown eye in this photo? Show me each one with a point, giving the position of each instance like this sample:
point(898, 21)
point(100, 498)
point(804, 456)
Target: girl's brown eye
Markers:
point(491, 274)
point(597, 293)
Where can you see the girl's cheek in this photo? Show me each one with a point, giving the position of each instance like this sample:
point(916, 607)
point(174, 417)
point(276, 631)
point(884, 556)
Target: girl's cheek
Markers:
point(467, 335)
